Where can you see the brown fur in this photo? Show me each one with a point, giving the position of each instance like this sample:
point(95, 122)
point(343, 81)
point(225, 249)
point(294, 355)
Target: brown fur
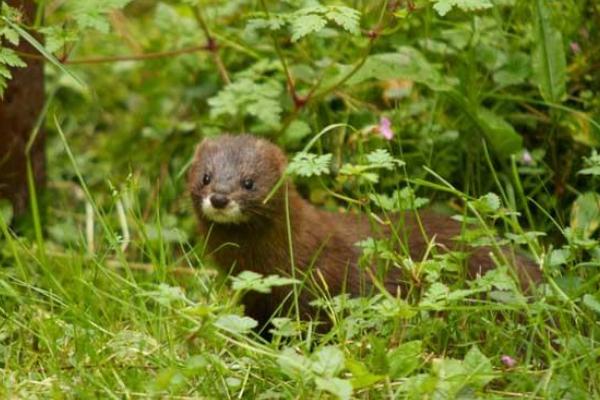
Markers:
point(323, 242)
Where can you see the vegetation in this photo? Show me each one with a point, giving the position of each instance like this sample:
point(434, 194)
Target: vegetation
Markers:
point(485, 109)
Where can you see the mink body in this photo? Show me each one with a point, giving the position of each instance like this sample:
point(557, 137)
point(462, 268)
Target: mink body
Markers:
point(228, 181)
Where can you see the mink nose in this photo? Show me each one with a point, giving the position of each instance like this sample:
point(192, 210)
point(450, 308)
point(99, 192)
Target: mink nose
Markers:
point(219, 200)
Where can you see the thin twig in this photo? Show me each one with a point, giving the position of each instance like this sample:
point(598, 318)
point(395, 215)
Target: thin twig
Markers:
point(109, 59)
point(212, 45)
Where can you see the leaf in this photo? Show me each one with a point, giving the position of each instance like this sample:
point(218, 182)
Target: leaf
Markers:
point(585, 213)
point(592, 302)
point(548, 58)
point(294, 133)
point(235, 324)
point(404, 359)
point(592, 164)
point(444, 6)
point(406, 64)
point(502, 136)
point(381, 158)
point(305, 24)
point(246, 96)
point(328, 361)
point(249, 280)
point(293, 364)
point(341, 388)
point(361, 377)
point(346, 17)
point(93, 13)
point(487, 204)
point(6, 211)
point(559, 257)
point(308, 164)
point(10, 58)
point(38, 46)
point(478, 367)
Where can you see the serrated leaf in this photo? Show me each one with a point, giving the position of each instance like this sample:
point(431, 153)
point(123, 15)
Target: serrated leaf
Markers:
point(444, 6)
point(488, 203)
point(341, 388)
point(346, 17)
point(478, 367)
point(11, 35)
point(328, 361)
point(381, 158)
point(308, 164)
point(306, 24)
point(293, 364)
point(549, 60)
point(235, 324)
point(245, 96)
point(10, 58)
point(249, 280)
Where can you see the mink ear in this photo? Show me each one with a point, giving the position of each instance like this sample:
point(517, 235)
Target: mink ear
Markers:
point(193, 165)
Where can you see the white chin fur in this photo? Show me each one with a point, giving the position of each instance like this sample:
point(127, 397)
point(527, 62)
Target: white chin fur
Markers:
point(231, 214)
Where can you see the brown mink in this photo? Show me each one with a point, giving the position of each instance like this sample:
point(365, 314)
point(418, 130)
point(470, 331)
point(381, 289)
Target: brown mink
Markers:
point(228, 181)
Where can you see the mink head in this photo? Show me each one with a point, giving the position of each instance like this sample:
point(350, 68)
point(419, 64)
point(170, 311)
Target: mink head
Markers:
point(231, 176)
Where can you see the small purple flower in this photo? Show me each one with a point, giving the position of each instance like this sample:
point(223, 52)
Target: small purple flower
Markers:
point(508, 361)
point(385, 128)
point(526, 158)
point(575, 48)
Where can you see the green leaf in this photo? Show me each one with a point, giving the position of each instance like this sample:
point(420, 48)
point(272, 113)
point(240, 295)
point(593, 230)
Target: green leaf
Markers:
point(6, 211)
point(488, 203)
point(549, 60)
point(305, 24)
point(478, 367)
point(592, 302)
point(407, 63)
point(444, 6)
point(249, 280)
point(341, 388)
point(235, 324)
point(38, 46)
point(308, 164)
point(381, 158)
point(10, 58)
point(361, 377)
point(404, 359)
point(585, 213)
point(592, 164)
point(502, 136)
point(328, 361)
point(93, 13)
point(246, 96)
point(346, 17)
point(294, 365)
point(294, 133)
point(559, 257)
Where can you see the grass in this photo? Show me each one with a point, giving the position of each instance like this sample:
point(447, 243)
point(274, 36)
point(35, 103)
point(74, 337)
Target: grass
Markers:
point(142, 312)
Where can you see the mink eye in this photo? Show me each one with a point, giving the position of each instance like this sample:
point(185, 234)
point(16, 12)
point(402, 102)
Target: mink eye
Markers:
point(206, 179)
point(248, 184)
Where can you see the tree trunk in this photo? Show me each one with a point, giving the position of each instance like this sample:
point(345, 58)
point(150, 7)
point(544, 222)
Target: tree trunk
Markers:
point(19, 111)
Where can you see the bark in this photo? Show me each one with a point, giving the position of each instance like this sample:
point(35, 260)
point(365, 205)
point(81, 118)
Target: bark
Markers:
point(19, 111)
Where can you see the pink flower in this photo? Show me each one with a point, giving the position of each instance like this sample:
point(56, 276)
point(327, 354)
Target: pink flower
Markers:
point(575, 48)
point(385, 128)
point(508, 361)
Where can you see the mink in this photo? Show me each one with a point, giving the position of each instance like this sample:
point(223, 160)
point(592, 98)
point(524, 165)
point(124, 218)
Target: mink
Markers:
point(229, 180)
